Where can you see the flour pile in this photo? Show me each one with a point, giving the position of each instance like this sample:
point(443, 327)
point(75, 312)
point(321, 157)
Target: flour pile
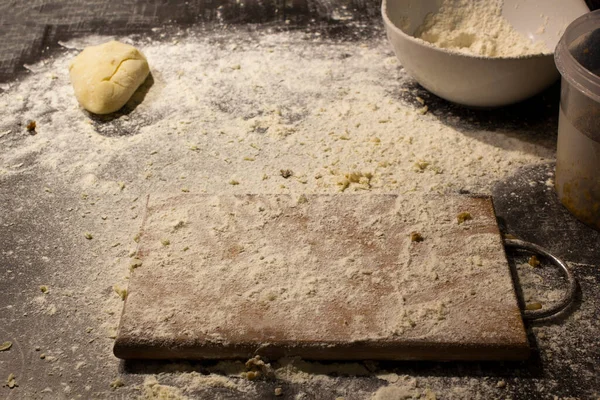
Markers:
point(476, 28)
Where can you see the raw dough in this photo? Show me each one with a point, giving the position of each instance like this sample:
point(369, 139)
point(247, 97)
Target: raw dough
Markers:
point(105, 76)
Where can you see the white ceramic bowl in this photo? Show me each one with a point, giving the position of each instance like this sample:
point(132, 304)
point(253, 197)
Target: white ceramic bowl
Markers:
point(477, 81)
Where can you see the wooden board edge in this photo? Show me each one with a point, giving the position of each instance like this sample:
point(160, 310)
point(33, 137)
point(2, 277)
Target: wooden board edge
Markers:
point(129, 349)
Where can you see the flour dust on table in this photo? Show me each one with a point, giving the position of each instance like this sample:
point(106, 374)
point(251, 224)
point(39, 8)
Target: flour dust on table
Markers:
point(271, 113)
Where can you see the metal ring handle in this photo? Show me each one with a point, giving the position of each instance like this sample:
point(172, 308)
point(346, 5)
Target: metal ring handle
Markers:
point(569, 296)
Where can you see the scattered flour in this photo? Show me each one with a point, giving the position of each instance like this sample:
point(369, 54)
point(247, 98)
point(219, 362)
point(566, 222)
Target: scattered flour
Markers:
point(152, 390)
point(221, 109)
point(296, 370)
point(205, 126)
point(394, 393)
point(194, 381)
point(477, 28)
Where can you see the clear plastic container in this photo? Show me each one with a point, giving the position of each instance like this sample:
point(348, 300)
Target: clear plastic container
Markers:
point(577, 178)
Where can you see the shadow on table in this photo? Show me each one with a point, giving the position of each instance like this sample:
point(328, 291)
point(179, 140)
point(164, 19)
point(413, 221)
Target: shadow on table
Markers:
point(530, 369)
point(115, 124)
point(369, 376)
point(534, 120)
point(552, 281)
point(528, 208)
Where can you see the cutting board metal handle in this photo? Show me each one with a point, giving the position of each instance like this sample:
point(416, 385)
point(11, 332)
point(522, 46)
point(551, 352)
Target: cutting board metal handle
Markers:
point(569, 295)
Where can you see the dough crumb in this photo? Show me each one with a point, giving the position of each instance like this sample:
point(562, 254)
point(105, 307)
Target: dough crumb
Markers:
point(362, 179)
point(533, 261)
point(31, 125)
point(258, 369)
point(122, 292)
point(464, 216)
point(11, 381)
point(421, 166)
point(533, 306)
point(286, 173)
point(136, 263)
point(117, 383)
point(416, 237)
point(302, 199)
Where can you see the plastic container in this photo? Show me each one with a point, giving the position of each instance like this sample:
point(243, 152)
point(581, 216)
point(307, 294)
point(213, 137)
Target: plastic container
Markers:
point(577, 181)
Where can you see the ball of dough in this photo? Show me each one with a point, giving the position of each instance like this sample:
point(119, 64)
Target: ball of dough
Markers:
point(105, 76)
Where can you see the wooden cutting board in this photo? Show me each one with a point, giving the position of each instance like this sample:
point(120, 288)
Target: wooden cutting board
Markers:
point(321, 277)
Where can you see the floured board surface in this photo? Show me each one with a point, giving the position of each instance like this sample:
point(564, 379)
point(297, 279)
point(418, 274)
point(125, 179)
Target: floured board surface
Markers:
point(321, 277)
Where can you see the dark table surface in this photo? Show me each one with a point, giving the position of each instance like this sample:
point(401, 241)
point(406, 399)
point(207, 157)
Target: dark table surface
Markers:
point(570, 368)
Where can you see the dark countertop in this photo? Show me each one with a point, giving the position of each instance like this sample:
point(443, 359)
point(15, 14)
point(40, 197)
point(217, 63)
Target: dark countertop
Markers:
point(568, 365)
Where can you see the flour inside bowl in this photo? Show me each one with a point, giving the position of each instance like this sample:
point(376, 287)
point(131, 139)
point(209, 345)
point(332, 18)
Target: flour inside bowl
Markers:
point(476, 28)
